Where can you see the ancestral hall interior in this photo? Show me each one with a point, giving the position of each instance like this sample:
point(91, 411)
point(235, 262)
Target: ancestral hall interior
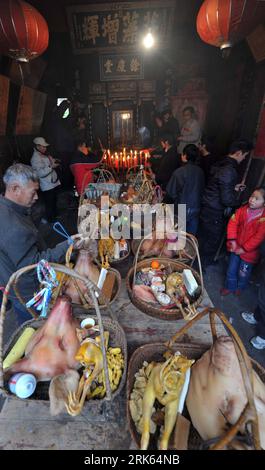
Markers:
point(98, 81)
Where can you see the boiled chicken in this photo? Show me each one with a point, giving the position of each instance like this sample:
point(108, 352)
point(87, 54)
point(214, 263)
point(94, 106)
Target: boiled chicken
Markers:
point(52, 349)
point(217, 394)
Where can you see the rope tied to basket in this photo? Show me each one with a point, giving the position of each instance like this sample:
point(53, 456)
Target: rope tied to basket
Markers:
point(47, 278)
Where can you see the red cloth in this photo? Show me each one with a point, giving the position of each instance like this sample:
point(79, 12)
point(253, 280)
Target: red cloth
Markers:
point(248, 235)
point(83, 174)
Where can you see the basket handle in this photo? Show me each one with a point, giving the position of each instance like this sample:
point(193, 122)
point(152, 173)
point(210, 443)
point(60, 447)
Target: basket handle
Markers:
point(250, 412)
point(89, 285)
point(193, 241)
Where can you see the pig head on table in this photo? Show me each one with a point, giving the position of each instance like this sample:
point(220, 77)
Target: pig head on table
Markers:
point(217, 394)
point(52, 349)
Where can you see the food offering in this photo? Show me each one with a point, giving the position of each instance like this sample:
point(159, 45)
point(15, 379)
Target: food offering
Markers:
point(92, 383)
point(158, 286)
point(67, 354)
point(159, 391)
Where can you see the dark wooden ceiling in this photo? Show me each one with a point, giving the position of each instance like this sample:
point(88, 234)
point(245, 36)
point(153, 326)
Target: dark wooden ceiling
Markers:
point(54, 11)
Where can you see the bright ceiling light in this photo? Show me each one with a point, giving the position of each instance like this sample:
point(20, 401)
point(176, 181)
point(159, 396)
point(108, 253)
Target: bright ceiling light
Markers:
point(148, 41)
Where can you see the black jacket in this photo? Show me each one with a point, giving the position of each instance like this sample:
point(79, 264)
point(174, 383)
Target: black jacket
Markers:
point(186, 186)
point(21, 245)
point(171, 127)
point(169, 162)
point(220, 190)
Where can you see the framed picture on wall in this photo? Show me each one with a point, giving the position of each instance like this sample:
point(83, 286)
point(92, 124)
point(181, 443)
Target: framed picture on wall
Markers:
point(122, 127)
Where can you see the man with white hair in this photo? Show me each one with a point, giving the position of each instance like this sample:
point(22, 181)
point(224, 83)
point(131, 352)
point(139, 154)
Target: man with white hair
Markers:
point(44, 165)
point(20, 242)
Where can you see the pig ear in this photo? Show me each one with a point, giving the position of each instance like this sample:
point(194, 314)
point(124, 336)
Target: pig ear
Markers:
point(59, 389)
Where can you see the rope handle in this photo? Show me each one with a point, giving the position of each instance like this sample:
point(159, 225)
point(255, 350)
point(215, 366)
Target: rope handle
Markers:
point(193, 241)
point(250, 412)
point(59, 228)
point(137, 168)
point(69, 272)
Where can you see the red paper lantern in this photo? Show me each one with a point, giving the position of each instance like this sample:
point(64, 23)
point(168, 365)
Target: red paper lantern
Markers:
point(24, 33)
point(222, 23)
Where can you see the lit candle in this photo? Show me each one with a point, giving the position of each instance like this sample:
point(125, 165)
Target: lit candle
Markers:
point(135, 163)
point(135, 157)
point(123, 163)
point(128, 161)
point(117, 162)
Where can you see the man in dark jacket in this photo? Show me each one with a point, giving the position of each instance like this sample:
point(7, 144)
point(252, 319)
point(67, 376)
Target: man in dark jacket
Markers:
point(186, 187)
point(20, 241)
point(170, 125)
point(169, 161)
point(220, 197)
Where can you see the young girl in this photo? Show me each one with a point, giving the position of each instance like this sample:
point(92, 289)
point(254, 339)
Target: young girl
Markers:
point(245, 233)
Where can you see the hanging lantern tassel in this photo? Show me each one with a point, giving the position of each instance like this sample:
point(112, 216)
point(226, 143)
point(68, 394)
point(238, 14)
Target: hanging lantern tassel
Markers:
point(48, 281)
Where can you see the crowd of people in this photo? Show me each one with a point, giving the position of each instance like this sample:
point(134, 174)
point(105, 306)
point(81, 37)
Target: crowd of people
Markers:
point(216, 207)
point(188, 172)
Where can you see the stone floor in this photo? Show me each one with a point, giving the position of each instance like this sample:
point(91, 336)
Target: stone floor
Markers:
point(28, 425)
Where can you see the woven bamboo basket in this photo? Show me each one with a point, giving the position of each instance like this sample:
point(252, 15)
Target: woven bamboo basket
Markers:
point(116, 262)
point(155, 351)
point(156, 310)
point(78, 308)
point(117, 336)
point(186, 256)
point(147, 191)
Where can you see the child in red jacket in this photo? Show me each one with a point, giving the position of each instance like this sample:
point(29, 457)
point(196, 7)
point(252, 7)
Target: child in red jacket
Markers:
point(245, 233)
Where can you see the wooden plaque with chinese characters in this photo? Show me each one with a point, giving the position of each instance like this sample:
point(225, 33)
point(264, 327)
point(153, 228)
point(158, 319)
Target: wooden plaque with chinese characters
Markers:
point(31, 107)
point(119, 26)
point(121, 67)
point(4, 95)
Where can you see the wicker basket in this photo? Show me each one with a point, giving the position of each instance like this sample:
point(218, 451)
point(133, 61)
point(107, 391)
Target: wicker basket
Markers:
point(186, 256)
point(78, 308)
point(147, 191)
point(158, 311)
point(116, 262)
point(116, 290)
point(154, 352)
point(117, 336)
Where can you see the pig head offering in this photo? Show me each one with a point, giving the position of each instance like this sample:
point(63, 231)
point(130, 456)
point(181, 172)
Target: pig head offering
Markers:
point(217, 395)
point(52, 349)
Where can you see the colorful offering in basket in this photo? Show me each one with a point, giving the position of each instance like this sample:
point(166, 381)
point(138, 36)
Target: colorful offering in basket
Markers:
point(157, 284)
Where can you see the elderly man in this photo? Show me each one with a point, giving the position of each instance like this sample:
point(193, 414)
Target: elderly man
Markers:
point(20, 242)
point(45, 165)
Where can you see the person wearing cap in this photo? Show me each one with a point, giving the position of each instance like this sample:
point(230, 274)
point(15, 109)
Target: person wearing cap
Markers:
point(45, 165)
